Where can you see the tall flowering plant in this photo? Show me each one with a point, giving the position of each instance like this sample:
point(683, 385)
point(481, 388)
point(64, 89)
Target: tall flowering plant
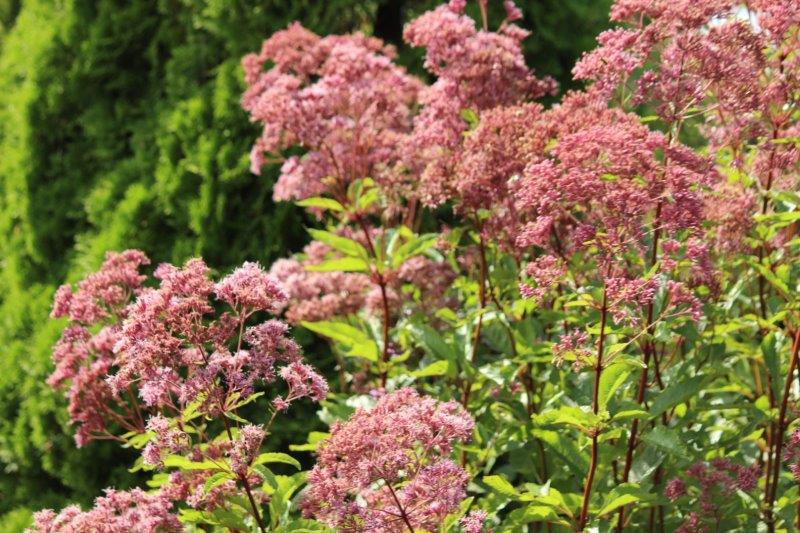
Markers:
point(604, 334)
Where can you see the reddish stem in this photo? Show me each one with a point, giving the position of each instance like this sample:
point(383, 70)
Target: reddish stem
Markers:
point(598, 369)
point(384, 300)
point(778, 436)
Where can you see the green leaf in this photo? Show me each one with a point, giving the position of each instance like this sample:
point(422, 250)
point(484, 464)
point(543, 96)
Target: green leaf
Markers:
point(348, 247)
point(216, 480)
point(430, 340)
point(321, 203)
point(773, 280)
point(612, 379)
point(439, 368)
point(568, 415)
point(270, 482)
point(183, 463)
point(677, 392)
point(501, 485)
point(470, 117)
point(337, 331)
point(277, 457)
point(354, 341)
point(624, 494)
point(302, 525)
point(417, 245)
point(666, 439)
point(769, 350)
point(340, 264)
point(535, 513)
point(229, 519)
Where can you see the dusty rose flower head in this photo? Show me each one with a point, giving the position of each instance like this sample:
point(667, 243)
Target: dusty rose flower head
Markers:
point(728, 209)
point(574, 344)
point(82, 358)
point(339, 97)
point(476, 70)
point(166, 439)
point(250, 287)
point(245, 448)
point(303, 381)
point(104, 292)
point(675, 489)
point(473, 522)
point(315, 296)
point(715, 480)
point(792, 453)
point(116, 511)
point(431, 278)
point(389, 464)
point(601, 181)
point(546, 272)
point(170, 347)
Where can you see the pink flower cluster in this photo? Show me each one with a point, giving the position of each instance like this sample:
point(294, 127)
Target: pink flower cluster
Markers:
point(339, 97)
point(792, 453)
point(431, 278)
point(83, 358)
point(546, 272)
point(116, 511)
point(475, 70)
point(170, 346)
point(574, 344)
point(387, 468)
point(729, 60)
point(719, 477)
point(166, 438)
point(315, 296)
point(601, 180)
point(473, 522)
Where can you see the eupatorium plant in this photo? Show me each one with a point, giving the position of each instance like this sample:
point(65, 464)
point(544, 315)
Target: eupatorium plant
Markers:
point(604, 335)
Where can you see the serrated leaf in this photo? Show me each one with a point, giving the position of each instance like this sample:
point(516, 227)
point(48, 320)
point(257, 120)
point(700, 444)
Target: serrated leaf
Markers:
point(431, 341)
point(568, 415)
point(621, 495)
point(183, 463)
point(229, 519)
point(337, 331)
point(769, 350)
point(612, 379)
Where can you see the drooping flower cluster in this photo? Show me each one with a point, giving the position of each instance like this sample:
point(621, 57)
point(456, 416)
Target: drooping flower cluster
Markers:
point(387, 468)
point(116, 511)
